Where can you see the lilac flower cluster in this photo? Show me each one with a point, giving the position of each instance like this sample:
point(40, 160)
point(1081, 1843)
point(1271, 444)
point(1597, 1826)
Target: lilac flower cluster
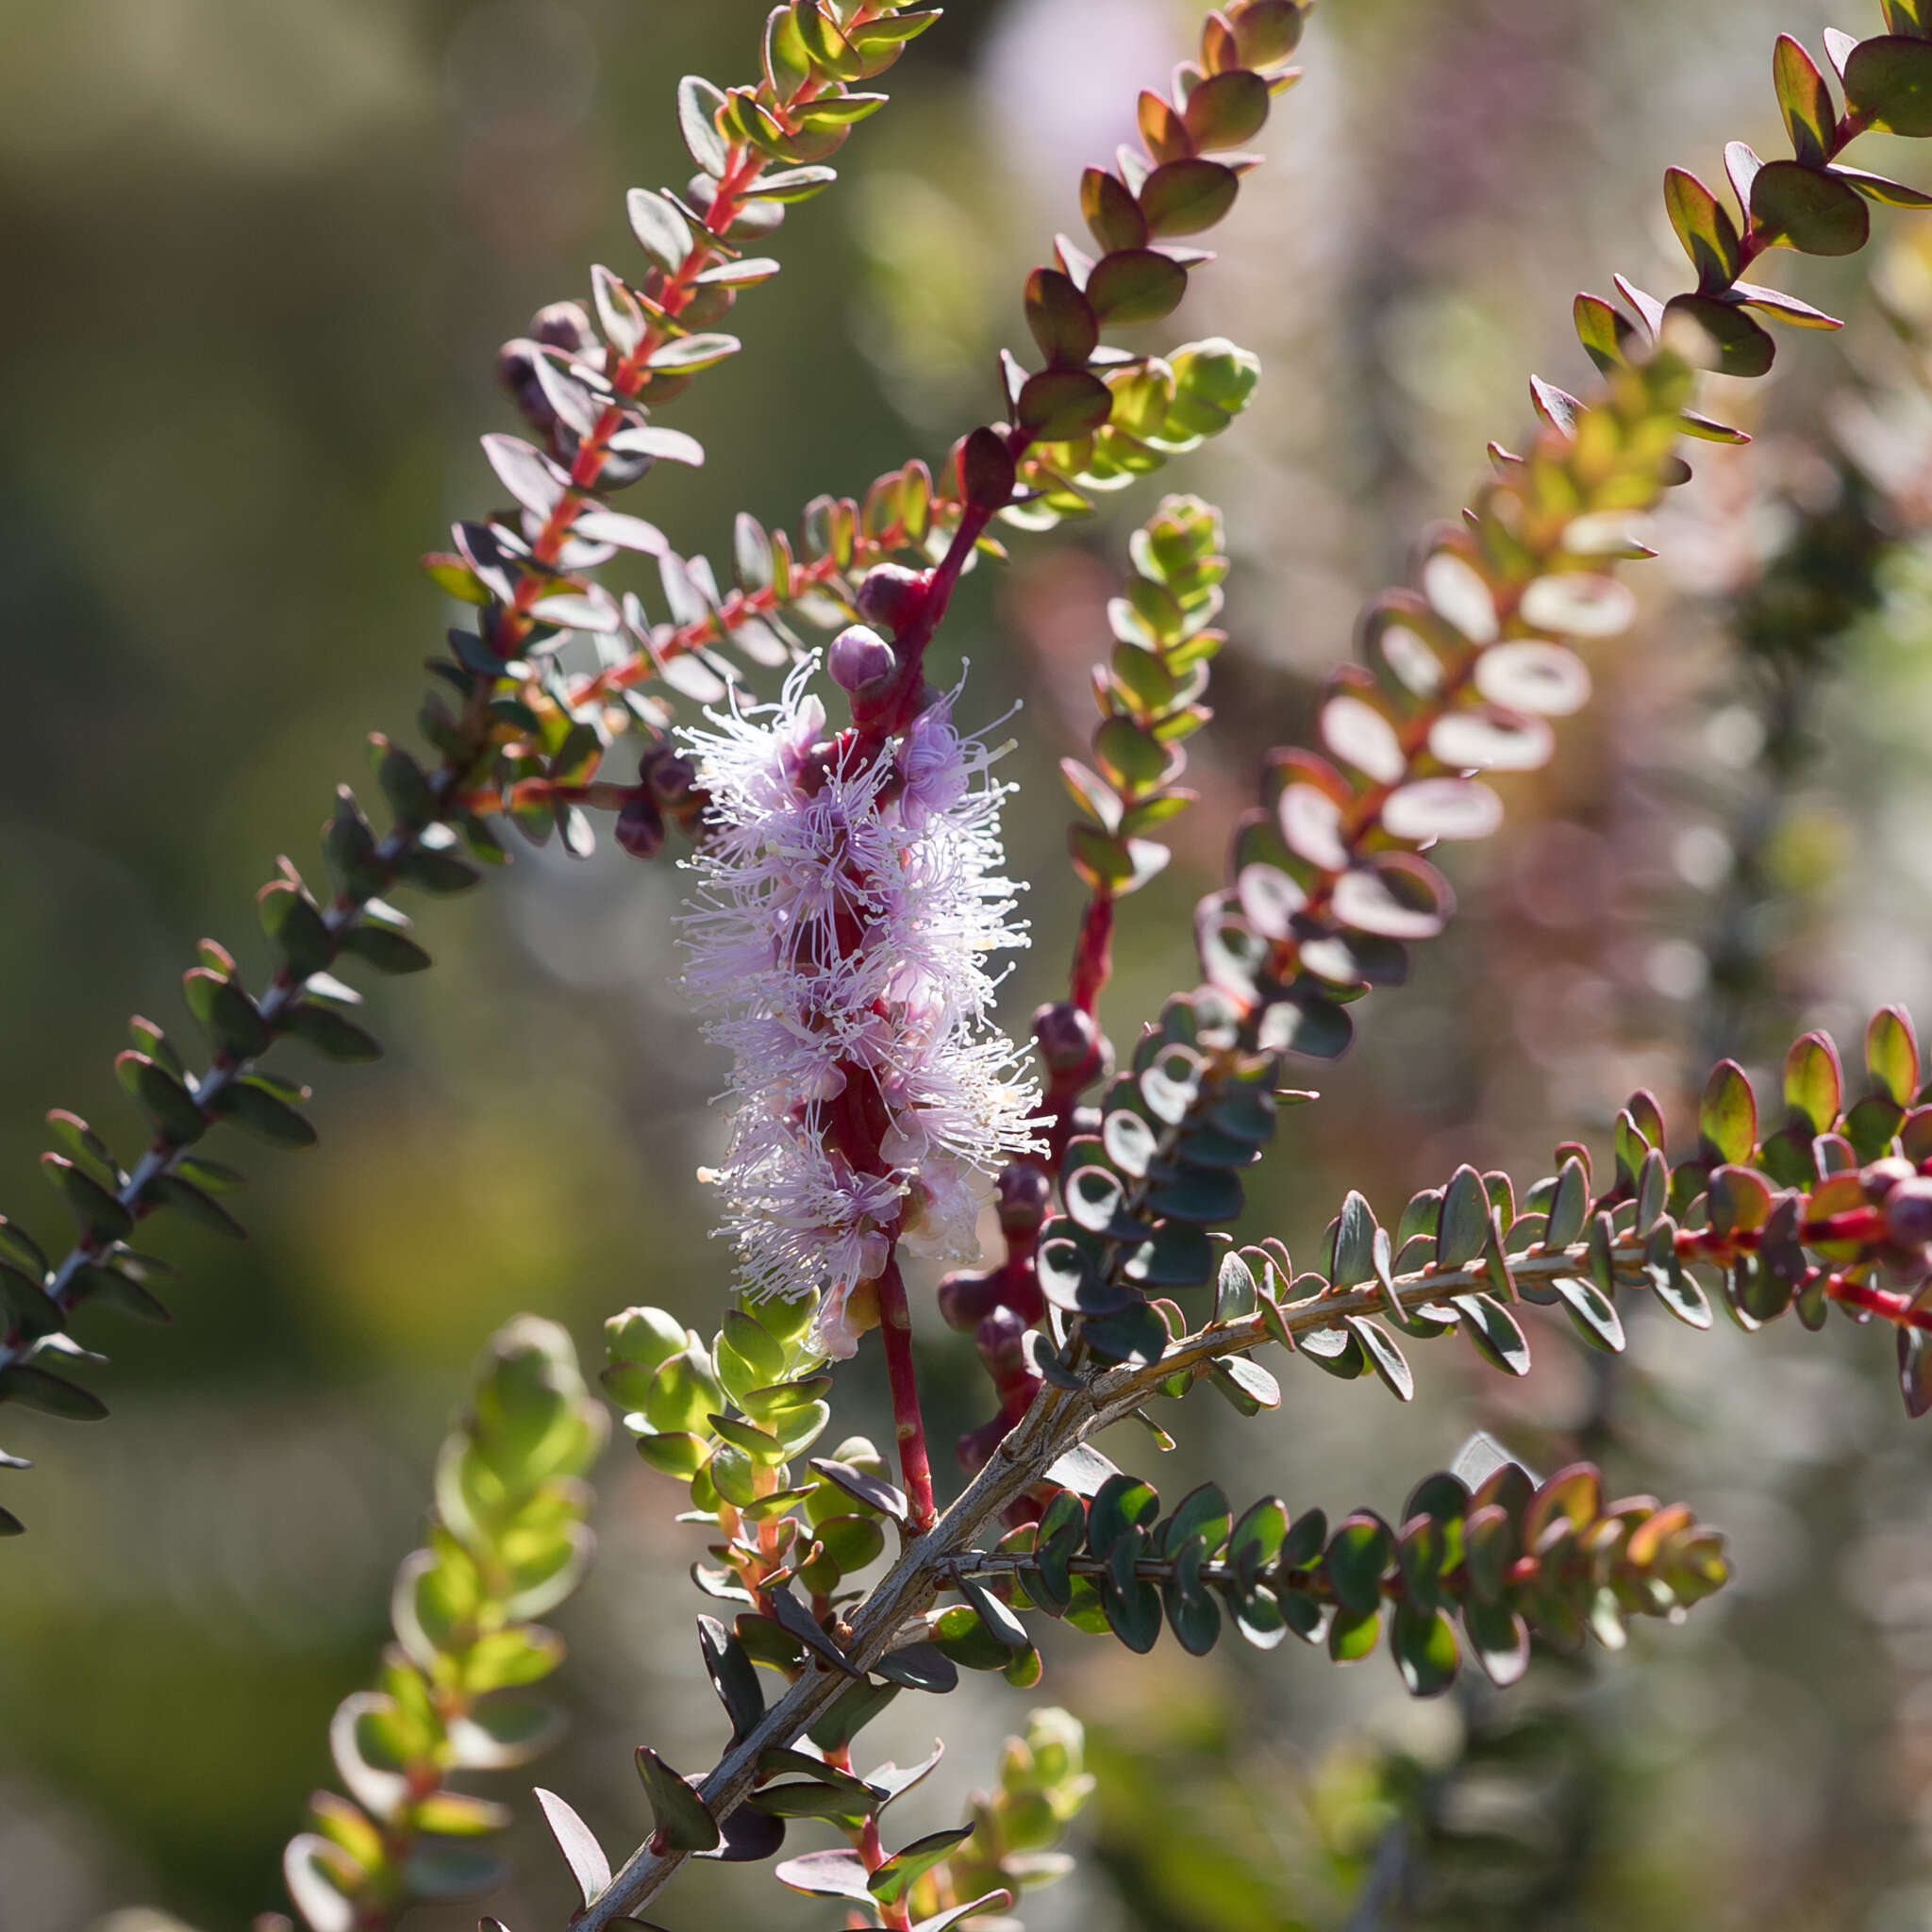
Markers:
point(845, 906)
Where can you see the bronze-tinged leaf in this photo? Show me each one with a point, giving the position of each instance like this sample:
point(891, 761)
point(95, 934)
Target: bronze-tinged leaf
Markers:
point(1809, 209)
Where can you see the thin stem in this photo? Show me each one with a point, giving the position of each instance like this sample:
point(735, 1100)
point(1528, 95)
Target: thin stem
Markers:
point(909, 1423)
point(1093, 952)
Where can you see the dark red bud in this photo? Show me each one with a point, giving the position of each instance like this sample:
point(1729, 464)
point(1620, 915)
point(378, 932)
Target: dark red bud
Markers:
point(892, 596)
point(965, 1299)
point(1908, 1213)
point(1069, 1038)
point(860, 660)
point(1024, 1195)
point(671, 777)
point(516, 369)
point(986, 471)
point(1885, 1174)
point(998, 1338)
point(639, 828)
point(976, 1446)
point(564, 325)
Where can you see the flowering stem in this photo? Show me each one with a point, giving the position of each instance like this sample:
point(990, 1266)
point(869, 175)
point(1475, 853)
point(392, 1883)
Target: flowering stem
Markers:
point(1093, 952)
point(909, 1423)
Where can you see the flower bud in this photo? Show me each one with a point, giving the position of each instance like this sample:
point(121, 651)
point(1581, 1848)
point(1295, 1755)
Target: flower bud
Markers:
point(892, 595)
point(564, 326)
point(516, 369)
point(1069, 1040)
point(671, 778)
point(1908, 1213)
point(966, 1298)
point(998, 1341)
point(1881, 1175)
point(639, 828)
point(1024, 1194)
point(860, 658)
point(976, 1446)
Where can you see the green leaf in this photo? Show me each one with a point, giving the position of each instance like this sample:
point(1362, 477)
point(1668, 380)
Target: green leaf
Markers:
point(733, 1677)
point(792, 185)
point(1063, 323)
point(960, 1634)
point(1500, 1640)
point(1885, 192)
point(662, 233)
point(1191, 1613)
point(1892, 1048)
point(1130, 1603)
point(687, 355)
point(380, 938)
point(1122, 1503)
point(1727, 1119)
point(578, 1844)
point(1804, 100)
point(1001, 1624)
point(35, 1388)
point(179, 1190)
point(678, 1815)
point(101, 1216)
point(1593, 1315)
point(1889, 84)
point(251, 1102)
point(1113, 216)
point(1671, 1281)
point(896, 1876)
point(229, 1018)
point(850, 1712)
point(1808, 209)
point(1424, 1643)
point(1705, 227)
point(290, 919)
point(1245, 1386)
point(1202, 1513)
point(1814, 1082)
point(1358, 1555)
point(165, 1101)
point(832, 111)
point(1236, 1295)
point(827, 1874)
point(329, 1031)
point(1135, 285)
point(1493, 1333)
point(953, 1915)
point(698, 103)
point(1385, 1357)
point(1209, 1195)
point(1179, 1256)
point(1741, 348)
point(1062, 405)
point(1354, 1259)
point(1464, 1227)
point(1183, 197)
point(1352, 1635)
point(1227, 109)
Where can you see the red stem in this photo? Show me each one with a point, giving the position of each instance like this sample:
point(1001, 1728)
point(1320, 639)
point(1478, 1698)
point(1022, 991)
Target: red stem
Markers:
point(908, 1424)
point(1093, 952)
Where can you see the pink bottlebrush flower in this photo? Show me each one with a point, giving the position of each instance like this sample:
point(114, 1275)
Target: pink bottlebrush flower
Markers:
point(839, 941)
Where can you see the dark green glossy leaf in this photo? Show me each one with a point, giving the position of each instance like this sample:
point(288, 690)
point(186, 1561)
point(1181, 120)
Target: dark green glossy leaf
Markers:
point(1889, 84)
point(1493, 1333)
point(1808, 209)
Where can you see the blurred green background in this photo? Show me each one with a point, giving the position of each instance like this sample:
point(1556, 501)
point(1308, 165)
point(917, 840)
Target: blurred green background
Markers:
point(261, 254)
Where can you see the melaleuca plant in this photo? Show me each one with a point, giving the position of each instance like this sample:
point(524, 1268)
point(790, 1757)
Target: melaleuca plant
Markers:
point(837, 815)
